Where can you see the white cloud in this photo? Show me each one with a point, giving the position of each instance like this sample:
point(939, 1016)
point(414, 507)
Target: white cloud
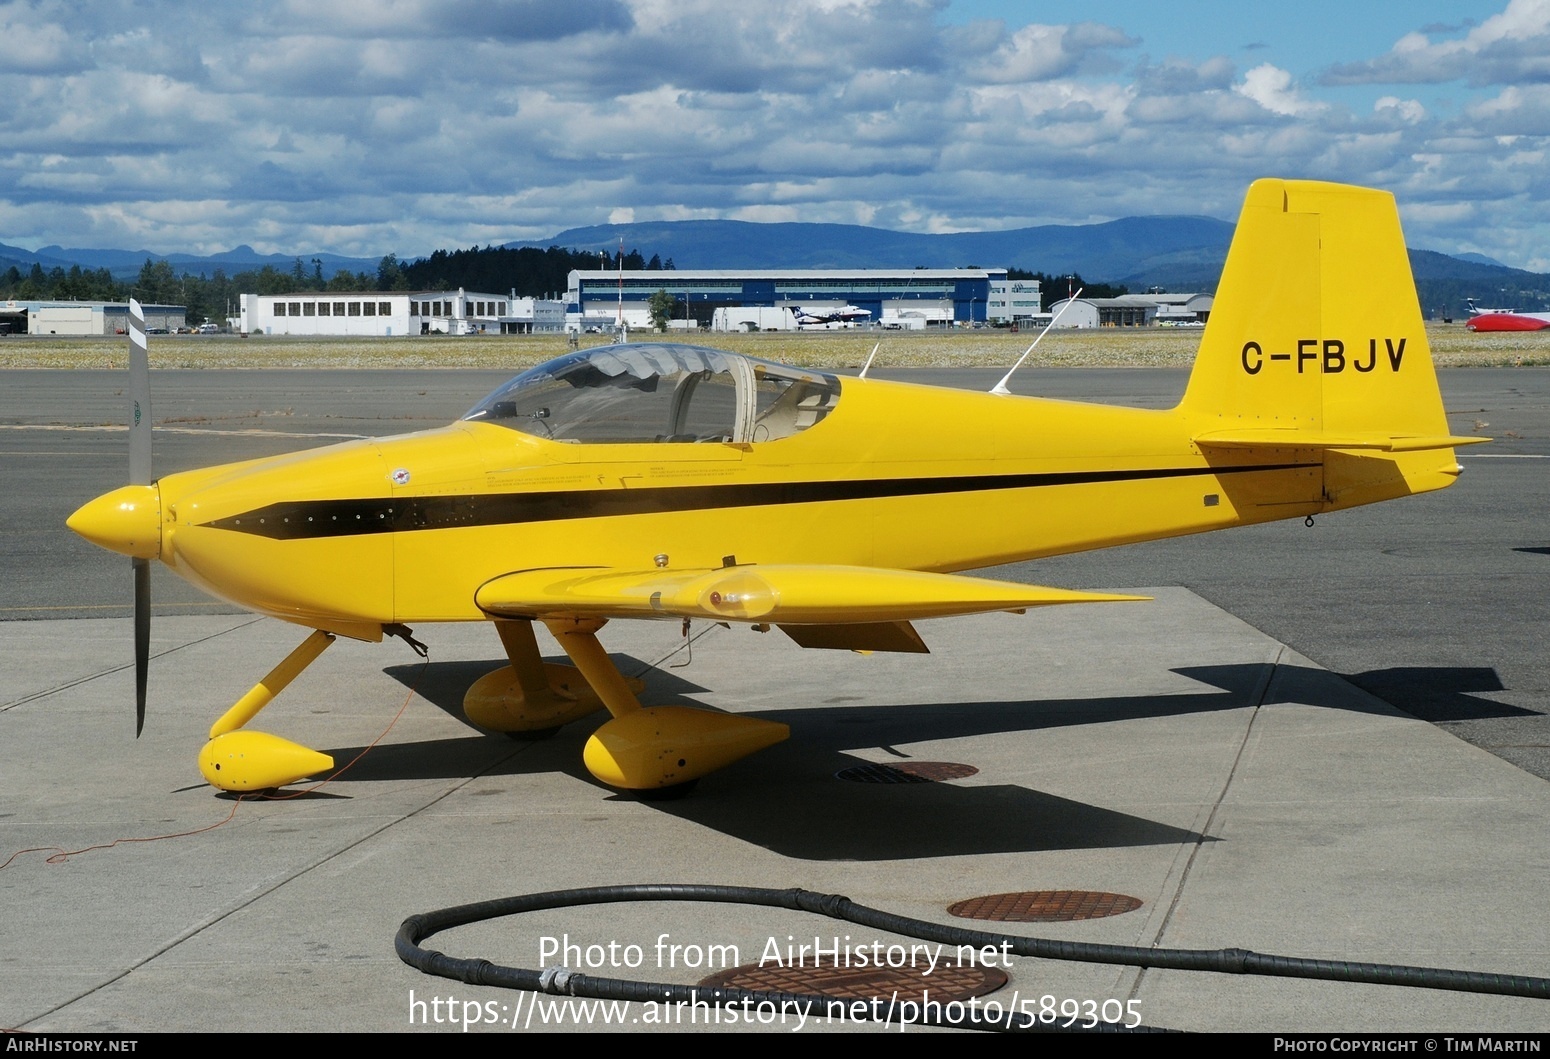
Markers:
point(1039, 53)
point(1512, 46)
point(1177, 77)
point(768, 214)
point(1409, 110)
point(1272, 88)
point(35, 46)
point(1515, 111)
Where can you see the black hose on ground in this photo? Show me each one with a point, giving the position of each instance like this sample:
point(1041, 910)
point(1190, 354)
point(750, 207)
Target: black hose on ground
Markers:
point(561, 982)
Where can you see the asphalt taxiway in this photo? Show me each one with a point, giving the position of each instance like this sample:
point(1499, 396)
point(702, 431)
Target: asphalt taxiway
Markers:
point(1188, 752)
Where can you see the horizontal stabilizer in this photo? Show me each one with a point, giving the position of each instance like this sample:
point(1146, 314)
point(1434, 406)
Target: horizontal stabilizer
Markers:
point(783, 594)
point(1292, 438)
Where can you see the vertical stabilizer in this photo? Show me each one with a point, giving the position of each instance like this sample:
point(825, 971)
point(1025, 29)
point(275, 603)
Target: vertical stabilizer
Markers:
point(1316, 342)
point(1316, 326)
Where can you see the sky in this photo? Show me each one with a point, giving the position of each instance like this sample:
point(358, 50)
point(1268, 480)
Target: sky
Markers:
point(364, 127)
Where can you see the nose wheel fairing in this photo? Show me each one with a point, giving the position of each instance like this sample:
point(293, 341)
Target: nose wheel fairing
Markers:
point(237, 760)
point(255, 761)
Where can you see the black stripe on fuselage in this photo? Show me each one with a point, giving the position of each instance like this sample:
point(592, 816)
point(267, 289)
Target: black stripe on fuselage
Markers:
point(307, 519)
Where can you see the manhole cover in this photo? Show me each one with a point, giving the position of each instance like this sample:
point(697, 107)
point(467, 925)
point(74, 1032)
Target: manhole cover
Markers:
point(842, 978)
point(907, 772)
point(1045, 906)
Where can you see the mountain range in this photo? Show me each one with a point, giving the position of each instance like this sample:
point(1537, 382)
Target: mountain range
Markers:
point(1172, 252)
point(1114, 251)
point(126, 264)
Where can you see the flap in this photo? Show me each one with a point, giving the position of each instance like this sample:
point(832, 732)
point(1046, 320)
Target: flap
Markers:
point(896, 637)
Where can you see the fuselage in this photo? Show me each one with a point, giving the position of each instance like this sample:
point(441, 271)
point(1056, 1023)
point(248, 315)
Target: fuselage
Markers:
point(406, 529)
point(1505, 320)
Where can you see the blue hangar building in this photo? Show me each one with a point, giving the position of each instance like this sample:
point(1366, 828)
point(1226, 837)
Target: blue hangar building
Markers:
point(946, 296)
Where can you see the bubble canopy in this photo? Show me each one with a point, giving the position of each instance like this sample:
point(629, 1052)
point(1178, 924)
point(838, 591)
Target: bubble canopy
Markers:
point(660, 392)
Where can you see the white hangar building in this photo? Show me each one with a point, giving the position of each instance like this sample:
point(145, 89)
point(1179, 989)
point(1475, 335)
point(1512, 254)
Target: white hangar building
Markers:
point(1133, 310)
point(384, 314)
point(21, 317)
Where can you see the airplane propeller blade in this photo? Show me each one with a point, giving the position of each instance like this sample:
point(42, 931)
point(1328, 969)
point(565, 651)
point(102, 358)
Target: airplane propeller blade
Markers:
point(142, 569)
point(140, 474)
point(139, 399)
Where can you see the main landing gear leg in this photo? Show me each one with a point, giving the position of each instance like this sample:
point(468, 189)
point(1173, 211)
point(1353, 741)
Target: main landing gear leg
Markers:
point(235, 760)
point(653, 748)
point(530, 698)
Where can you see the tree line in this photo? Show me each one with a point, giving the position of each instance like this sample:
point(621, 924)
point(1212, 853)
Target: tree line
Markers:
point(532, 272)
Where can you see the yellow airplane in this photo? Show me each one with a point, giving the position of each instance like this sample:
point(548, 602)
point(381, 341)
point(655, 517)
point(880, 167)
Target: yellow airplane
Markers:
point(672, 481)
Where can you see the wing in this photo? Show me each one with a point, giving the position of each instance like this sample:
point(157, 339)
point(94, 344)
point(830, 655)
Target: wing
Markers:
point(850, 607)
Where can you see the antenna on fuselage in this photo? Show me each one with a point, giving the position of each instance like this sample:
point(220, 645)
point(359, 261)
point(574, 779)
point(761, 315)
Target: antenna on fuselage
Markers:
point(868, 363)
point(1000, 387)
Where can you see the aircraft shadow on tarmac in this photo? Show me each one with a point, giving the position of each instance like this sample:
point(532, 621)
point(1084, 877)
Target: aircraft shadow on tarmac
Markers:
point(788, 800)
point(1440, 693)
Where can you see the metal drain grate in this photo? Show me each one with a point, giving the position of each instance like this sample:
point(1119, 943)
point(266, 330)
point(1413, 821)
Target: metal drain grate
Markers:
point(907, 772)
point(831, 977)
point(1045, 906)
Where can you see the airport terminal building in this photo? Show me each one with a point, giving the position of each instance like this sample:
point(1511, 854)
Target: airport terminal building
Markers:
point(890, 297)
point(383, 314)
